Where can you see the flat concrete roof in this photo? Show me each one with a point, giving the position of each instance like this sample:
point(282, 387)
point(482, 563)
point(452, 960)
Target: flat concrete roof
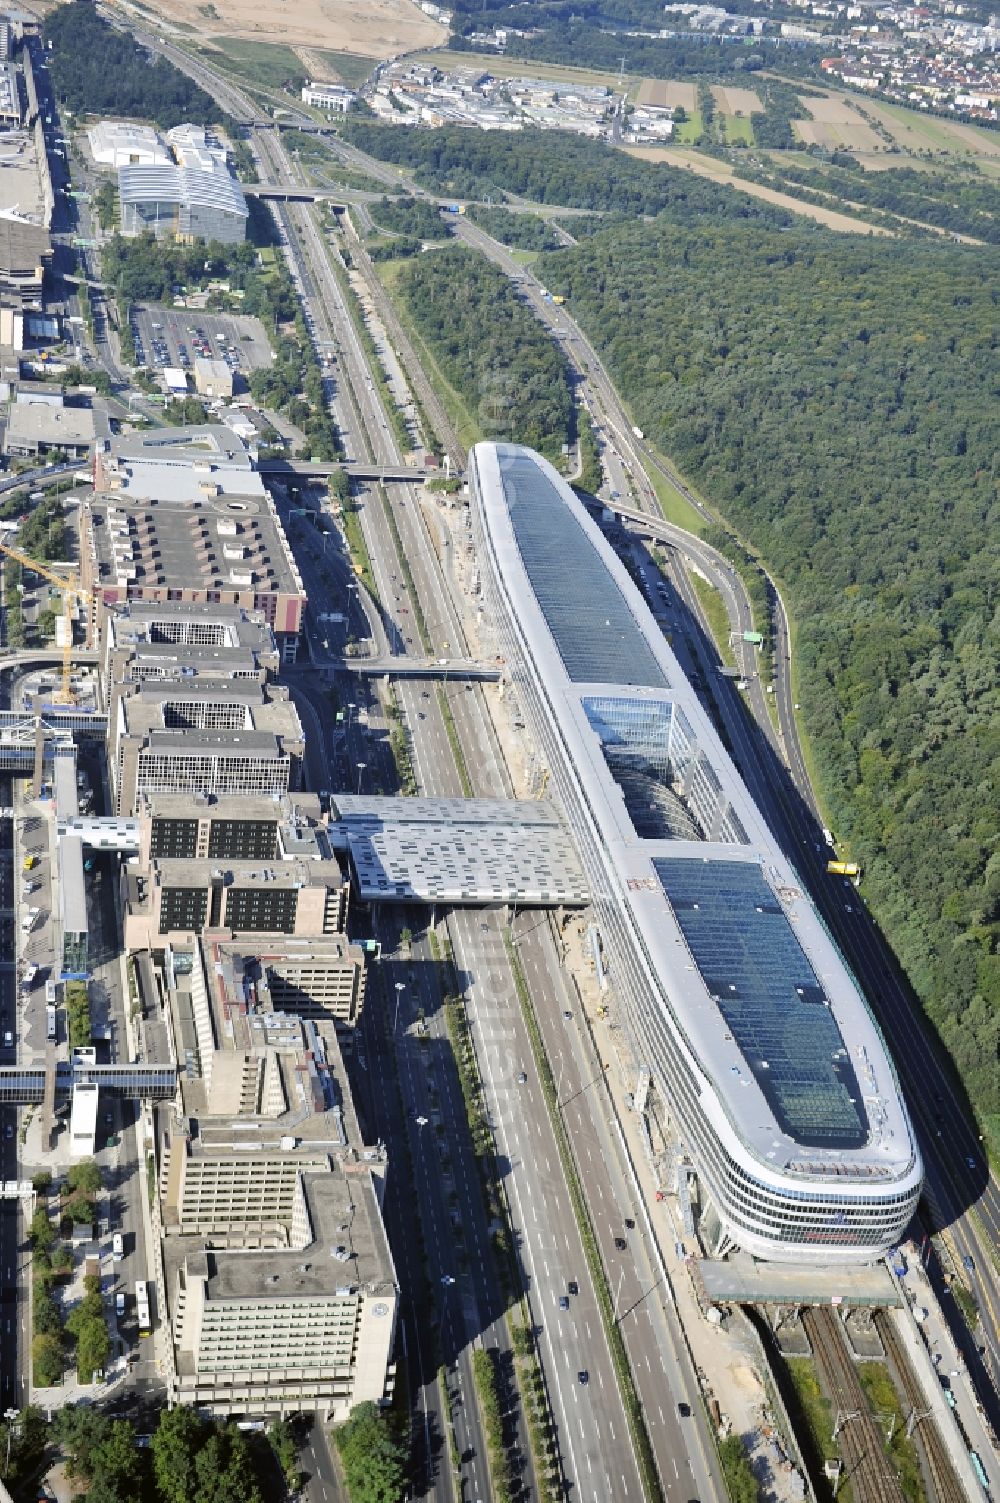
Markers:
point(742, 1281)
point(345, 1216)
point(178, 871)
point(265, 720)
point(43, 423)
point(72, 886)
point(474, 851)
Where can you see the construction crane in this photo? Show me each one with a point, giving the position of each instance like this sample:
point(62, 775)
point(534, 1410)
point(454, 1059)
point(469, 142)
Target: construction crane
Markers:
point(71, 590)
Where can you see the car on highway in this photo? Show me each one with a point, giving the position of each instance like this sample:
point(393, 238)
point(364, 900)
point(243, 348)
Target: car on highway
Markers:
point(567, 1014)
point(583, 1376)
point(522, 1078)
point(563, 1302)
point(683, 1409)
point(573, 1287)
point(967, 1263)
point(621, 1244)
point(447, 1280)
point(971, 1163)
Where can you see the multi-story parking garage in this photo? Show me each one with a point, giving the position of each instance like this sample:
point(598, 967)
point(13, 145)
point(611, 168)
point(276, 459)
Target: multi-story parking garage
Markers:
point(735, 998)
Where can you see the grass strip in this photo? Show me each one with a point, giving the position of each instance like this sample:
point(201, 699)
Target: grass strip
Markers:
point(537, 1408)
point(619, 1356)
point(404, 565)
point(453, 741)
point(399, 745)
point(883, 1400)
point(350, 521)
point(488, 1392)
point(715, 613)
point(360, 324)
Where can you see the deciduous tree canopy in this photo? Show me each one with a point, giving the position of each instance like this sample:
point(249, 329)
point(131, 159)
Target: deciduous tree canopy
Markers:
point(97, 69)
point(836, 397)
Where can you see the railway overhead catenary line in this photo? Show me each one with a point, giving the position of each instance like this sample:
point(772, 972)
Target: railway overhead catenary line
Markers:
point(856, 1431)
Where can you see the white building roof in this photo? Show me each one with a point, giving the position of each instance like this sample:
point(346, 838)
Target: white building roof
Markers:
point(190, 185)
point(114, 143)
point(771, 1021)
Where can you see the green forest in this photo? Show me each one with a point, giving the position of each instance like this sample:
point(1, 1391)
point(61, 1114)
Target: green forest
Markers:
point(409, 216)
point(490, 348)
point(553, 168)
point(98, 70)
point(961, 200)
point(836, 397)
point(521, 231)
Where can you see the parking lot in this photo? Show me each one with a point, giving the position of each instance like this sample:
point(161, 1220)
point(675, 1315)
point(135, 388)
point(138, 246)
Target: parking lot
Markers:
point(177, 336)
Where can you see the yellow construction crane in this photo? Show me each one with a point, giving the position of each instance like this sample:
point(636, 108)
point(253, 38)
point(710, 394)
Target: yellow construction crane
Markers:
point(71, 589)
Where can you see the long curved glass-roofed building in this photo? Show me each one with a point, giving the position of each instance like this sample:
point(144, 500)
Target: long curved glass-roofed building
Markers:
point(775, 1077)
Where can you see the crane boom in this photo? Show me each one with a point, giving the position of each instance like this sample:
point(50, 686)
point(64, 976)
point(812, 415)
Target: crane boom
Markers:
point(71, 590)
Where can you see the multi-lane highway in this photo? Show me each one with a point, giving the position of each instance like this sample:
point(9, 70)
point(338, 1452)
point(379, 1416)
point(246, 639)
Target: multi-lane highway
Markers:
point(961, 1193)
point(956, 1166)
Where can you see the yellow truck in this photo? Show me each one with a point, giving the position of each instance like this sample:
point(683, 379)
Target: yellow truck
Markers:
point(30, 862)
point(843, 869)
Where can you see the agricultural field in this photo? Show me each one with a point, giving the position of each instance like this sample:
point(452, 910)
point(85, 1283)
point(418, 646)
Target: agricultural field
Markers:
point(836, 125)
point(366, 28)
point(737, 128)
point(664, 94)
point(266, 64)
point(730, 101)
point(721, 172)
point(917, 132)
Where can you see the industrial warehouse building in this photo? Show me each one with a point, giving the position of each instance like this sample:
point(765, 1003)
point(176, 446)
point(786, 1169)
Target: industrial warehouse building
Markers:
point(186, 203)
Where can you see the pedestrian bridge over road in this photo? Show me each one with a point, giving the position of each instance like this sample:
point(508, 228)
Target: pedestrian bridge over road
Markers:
point(23, 1085)
point(400, 666)
point(308, 469)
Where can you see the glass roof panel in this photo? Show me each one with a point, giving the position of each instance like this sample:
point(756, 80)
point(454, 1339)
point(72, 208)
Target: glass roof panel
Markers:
point(595, 632)
point(755, 969)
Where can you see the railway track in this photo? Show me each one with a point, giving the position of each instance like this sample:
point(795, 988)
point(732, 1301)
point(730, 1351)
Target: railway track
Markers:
point(859, 1437)
point(937, 1462)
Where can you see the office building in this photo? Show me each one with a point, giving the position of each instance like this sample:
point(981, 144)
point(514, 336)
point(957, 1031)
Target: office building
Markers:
point(308, 1326)
point(212, 378)
point(182, 203)
point(334, 99)
point(11, 113)
point(120, 143)
point(145, 642)
point(175, 898)
point(253, 1044)
point(202, 828)
point(203, 737)
point(180, 516)
point(791, 1135)
point(35, 426)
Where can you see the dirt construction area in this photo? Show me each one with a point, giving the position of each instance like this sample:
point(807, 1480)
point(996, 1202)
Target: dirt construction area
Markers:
point(371, 28)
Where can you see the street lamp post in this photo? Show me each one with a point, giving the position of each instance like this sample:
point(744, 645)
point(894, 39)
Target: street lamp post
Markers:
point(10, 1415)
point(400, 988)
point(361, 767)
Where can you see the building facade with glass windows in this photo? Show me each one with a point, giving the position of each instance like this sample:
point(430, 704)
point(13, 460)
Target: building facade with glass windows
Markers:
point(792, 1135)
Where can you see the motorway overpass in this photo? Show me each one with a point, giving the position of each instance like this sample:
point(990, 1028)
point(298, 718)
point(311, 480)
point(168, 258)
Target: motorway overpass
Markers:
point(309, 469)
point(412, 667)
